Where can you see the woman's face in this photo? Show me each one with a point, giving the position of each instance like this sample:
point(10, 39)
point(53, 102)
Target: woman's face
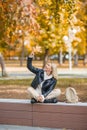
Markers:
point(48, 68)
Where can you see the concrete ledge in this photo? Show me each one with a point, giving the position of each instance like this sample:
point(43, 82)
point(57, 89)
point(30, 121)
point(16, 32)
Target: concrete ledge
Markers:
point(26, 101)
point(60, 115)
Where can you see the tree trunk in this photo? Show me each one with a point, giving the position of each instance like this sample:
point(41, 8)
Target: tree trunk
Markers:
point(76, 59)
point(60, 57)
point(85, 59)
point(45, 57)
point(4, 73)
point(22, 56)
point(64, 58)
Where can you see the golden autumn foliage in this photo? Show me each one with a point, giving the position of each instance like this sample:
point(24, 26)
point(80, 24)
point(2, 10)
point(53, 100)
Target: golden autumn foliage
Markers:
point(43, 23)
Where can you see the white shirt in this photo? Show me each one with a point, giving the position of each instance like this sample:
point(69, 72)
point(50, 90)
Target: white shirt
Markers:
point(38, 89)
point(47, 76)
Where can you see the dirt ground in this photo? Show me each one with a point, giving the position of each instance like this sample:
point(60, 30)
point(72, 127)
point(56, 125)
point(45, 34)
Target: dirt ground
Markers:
point(17, 92)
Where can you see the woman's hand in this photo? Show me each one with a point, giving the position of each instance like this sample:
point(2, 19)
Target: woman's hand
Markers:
point(31, 54)
point(40, 98)
point(35, 50)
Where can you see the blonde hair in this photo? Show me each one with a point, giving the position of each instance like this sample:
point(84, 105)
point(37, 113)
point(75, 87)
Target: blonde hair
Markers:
point(54, 70)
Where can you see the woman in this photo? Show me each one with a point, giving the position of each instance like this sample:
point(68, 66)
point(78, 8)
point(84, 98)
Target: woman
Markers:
point(42, 87)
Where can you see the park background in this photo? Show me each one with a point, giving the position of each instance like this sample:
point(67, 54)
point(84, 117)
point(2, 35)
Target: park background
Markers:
point(56, 30)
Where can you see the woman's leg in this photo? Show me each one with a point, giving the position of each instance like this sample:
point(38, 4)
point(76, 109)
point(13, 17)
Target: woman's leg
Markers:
point(54, 94)
point(33, 93)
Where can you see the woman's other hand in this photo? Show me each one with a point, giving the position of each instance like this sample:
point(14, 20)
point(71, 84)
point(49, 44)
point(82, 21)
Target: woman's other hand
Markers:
point(31, 54)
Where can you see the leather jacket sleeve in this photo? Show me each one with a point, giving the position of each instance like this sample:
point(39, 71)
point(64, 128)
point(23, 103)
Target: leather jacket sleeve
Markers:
point(52, 86)
point(30, 67)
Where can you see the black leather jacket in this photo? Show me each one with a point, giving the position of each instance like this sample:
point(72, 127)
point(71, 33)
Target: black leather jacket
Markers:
point(48, 84)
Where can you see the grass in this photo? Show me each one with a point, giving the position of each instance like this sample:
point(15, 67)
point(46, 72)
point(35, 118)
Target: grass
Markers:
point(62, 81)
point(72, 81)
point(16, 82)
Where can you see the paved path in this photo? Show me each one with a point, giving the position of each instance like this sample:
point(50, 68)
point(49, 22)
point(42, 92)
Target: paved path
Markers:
point(24, 73)
point(14, 127)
